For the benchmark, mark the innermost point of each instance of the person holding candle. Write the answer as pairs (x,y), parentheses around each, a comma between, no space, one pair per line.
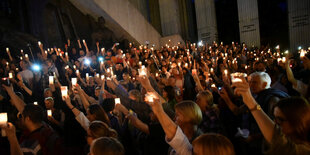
(56,120)
(293,136)
(37,138)
(302,86)
(94,112)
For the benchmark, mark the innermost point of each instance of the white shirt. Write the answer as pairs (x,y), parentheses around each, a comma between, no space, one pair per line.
(82,119)
(180,144)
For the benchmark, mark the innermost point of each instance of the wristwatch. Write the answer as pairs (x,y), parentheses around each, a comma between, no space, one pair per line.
(257,107)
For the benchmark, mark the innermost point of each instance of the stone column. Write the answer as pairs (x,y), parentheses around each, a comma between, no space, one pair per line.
(299,23)
(206,20)
(249,22)
(170,17)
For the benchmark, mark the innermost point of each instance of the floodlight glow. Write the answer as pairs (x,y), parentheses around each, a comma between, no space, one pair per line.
(87,61)
(100,59)
(36,67)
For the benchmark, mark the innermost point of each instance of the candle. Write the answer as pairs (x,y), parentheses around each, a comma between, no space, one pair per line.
(74,67)
(7,49)
(302,54)
(225,72)
(73,81)
(102,77)
(140,63)
(142,72)
(45,52)
(97,75)
(87,76)
(102,49)
(35,103)
(10,75)
(77,72)
(21,58)
(39,43)
(156,74)
(194,71)
(151,99)
(26,55)
(211,70)
(49,113)
(51,79)
(3,118)
(66,53)
(283,59)
(84,41)
(117,101)
(22,51)
(64,91)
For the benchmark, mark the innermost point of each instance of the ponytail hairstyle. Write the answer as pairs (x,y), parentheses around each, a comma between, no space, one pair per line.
(100,129)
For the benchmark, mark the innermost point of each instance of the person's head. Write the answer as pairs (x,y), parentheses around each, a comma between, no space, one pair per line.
(48,92)
(135,95)
(24,64)
(259,81)
(49,102)
(106,146)
(73,51)
(49,62)
(212,144)
(125,76)
(32,116)
(82,53)
(260,67)
(204,100)
(169,93)
(96,112)
(293,116)
(99,129)
(97,91)
(171,81)
(187,112)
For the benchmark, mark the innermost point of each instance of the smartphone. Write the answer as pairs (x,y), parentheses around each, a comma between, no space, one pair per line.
(219,88)
(5,81)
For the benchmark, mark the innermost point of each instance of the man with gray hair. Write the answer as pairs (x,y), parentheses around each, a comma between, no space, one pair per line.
(264,95)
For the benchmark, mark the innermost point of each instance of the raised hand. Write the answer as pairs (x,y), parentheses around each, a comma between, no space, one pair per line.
(243,89)
(9,129)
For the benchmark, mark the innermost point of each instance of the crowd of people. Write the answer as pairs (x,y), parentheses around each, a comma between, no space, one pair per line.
(179,99)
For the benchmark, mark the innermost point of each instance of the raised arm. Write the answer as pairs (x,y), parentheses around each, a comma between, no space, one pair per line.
(289,73)
(168,125)
(11,134)
(133,119)
(15,100)
(265,124)
(83,97)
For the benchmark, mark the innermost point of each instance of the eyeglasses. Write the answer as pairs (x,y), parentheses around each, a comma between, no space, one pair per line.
(279,120)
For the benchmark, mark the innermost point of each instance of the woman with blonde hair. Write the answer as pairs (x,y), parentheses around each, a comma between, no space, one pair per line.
(99,129)
(213,144)
(188,116)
